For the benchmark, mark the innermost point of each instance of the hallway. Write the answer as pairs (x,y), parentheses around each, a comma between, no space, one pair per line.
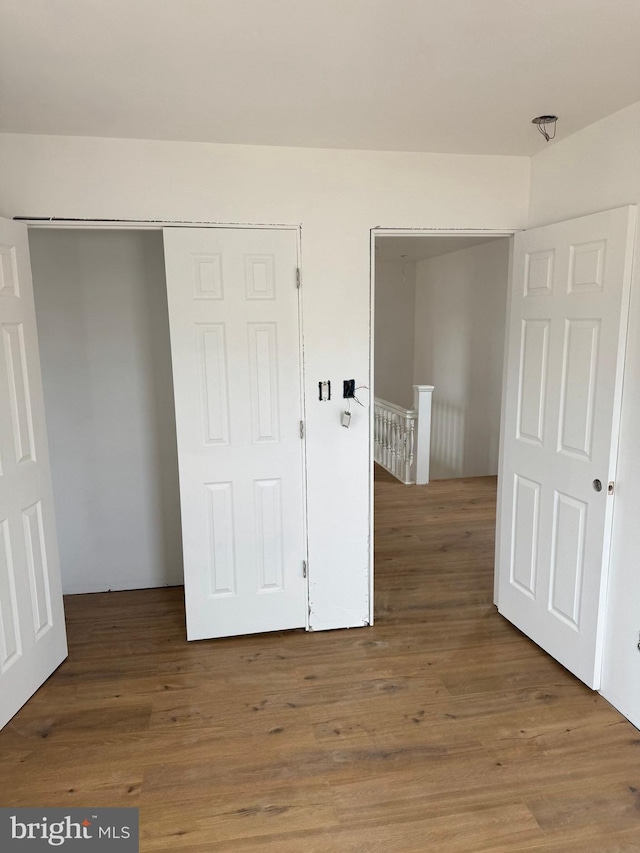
(434,546)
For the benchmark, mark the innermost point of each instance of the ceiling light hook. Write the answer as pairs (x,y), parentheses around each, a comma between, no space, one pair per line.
(542,122)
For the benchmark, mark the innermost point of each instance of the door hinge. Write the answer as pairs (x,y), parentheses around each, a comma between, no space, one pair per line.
(304,568)
(298,278)
(301,429)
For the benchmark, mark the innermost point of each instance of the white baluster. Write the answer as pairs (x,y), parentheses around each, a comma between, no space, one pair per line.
(396,436)
(385,439)
(410,445)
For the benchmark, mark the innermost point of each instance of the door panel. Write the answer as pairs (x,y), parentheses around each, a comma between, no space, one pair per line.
(32,630)
(235,341)
(567,326)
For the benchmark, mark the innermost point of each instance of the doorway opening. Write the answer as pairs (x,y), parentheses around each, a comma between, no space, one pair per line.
(439,303)
(118,308)
(103,327)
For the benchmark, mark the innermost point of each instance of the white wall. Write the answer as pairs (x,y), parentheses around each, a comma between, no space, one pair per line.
(460,319)
(106,366)
(395,296)
(337,197)
(597,169)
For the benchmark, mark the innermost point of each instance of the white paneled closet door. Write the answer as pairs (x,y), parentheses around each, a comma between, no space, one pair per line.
(32,630)
(566,342)
(237,368)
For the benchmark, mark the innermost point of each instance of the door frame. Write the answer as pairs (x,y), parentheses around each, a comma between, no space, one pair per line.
(380,231)
(72,224)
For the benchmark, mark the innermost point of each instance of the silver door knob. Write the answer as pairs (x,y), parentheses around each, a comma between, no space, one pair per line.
(597,485)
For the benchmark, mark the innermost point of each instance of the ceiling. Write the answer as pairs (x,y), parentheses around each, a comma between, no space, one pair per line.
(459,76)
(419,247)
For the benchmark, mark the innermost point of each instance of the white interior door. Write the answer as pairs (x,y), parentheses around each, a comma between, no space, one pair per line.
(32,631)
(235,345)
(568,313)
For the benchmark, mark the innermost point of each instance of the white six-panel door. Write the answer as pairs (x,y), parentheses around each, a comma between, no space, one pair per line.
(566,339)
(235,344)
(32,631)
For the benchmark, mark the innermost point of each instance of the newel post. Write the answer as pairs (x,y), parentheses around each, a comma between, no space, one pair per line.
(422,405)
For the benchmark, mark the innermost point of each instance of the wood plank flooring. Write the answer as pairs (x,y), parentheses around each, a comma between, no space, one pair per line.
(441,728)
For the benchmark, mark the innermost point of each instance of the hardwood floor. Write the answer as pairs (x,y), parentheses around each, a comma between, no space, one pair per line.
(441,728)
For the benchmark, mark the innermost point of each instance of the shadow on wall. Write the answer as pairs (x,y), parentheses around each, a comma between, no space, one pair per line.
(448,433)
(461,446)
